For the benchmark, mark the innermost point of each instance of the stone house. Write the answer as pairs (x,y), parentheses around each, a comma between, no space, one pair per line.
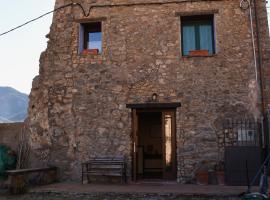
(148,79)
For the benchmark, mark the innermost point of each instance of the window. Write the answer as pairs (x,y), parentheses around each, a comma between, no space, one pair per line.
(246,135)
(197,34)
(91,37)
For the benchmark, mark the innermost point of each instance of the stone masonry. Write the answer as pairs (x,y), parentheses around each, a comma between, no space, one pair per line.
(10,134)
(78,102)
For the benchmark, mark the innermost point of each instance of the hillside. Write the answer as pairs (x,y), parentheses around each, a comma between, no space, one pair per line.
(13,105)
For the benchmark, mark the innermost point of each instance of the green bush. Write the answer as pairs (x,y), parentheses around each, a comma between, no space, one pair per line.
(7,161)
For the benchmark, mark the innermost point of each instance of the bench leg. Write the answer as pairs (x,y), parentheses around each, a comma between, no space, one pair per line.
(49,177)
(82,178)
(88,178)
(17,184)
(82,175)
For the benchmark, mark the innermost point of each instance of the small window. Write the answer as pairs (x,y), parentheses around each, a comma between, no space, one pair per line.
(197,35)
(91,37)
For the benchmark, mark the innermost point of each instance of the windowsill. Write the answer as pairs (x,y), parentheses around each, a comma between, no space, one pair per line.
(188,56)
(89,54)
(92,52)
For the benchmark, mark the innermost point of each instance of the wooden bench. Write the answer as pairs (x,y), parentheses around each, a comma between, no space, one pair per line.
(104,166)
(18,178)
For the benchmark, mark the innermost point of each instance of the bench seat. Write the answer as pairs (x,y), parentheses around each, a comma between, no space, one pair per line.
(30,170)
(104,166)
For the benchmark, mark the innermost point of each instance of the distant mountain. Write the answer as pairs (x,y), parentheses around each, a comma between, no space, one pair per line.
(13,105)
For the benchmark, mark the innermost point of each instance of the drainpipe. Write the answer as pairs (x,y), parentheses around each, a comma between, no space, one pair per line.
(247,4)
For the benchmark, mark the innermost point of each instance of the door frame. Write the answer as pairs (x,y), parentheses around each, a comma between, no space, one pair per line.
(173,174)
(135,126)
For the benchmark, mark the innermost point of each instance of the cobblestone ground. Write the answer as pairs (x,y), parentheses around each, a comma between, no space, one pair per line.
(112,196)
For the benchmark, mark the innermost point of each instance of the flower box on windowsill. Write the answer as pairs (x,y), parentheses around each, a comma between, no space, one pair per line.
(90,52)
(198,53)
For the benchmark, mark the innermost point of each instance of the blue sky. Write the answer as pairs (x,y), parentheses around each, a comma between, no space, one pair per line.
(20,50)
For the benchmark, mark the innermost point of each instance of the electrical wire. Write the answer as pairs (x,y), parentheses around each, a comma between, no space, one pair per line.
(28,22)
(127,5)
(90,8)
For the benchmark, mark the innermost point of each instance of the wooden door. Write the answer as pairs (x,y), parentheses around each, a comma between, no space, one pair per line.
(135,142)
(169,145)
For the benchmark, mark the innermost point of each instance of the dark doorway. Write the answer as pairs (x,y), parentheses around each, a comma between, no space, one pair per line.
(154,144)
(149,165)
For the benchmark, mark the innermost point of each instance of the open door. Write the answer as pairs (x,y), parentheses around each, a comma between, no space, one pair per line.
(169,145)
(154,144)
(135,142)
(154,140)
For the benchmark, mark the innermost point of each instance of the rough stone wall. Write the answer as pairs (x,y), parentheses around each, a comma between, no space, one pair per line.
(78,102)
(9,134)
(264,45)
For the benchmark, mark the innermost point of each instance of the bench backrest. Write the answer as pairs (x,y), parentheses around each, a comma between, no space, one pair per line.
(107,159)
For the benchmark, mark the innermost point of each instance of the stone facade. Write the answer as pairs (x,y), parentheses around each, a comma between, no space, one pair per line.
(78,102)
(10,134)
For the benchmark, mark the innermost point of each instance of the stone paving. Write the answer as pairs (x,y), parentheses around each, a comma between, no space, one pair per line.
(144,188)
(62,196)
(149,191)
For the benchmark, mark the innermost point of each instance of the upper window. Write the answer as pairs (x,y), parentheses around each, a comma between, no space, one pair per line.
(91,37)
(197,35)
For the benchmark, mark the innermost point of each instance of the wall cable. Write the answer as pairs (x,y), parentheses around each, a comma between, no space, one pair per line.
(246,4)
(32,20)
(87,14)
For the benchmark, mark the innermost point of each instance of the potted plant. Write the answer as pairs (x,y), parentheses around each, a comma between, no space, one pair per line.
(198,53)
(202,176)
(219,168)
(90,51)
